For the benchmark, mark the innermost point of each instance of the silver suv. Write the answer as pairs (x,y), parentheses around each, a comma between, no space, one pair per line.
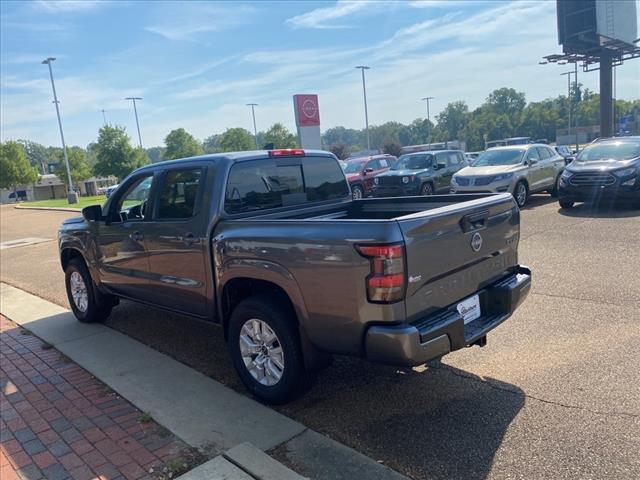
(518,169)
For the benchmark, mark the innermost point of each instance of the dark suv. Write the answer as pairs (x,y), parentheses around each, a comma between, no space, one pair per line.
(420,173)
(606,170)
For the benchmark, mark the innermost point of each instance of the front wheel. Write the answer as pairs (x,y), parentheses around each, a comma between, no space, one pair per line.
(566,203)
(265,349)
(556,187)
(426,189)
(520,194)
(87,304)
(357,192)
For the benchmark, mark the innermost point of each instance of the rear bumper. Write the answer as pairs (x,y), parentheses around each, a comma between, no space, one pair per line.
(445,331)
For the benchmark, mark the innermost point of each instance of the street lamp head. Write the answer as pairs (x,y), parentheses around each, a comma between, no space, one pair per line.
(363,67)
(48,60)
(252,104)
(427,98)
(543,62)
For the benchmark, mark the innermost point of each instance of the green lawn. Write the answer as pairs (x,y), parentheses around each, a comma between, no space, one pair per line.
(62,202)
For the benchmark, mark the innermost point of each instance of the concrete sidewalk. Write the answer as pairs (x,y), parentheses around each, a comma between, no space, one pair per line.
(198,410)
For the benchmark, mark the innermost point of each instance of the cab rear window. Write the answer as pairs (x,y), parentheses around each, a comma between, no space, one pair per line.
(272,183)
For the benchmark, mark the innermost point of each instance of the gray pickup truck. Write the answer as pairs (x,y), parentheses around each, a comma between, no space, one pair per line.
(271,246)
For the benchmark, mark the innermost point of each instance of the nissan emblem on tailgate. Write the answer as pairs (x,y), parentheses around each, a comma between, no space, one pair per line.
(476,242)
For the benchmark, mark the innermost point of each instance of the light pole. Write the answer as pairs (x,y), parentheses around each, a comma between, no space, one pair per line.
(104,117)
(253,114)
(72,196)
(428,120)
(135,110)
(366,113)
(568,74)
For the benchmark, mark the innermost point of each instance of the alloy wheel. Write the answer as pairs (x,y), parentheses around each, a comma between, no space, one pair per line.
(79,291)
(261,352)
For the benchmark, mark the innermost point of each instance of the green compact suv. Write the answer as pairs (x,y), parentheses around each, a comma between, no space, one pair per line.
(420,173)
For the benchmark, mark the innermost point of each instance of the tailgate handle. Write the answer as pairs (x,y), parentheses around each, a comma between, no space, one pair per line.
(474,221)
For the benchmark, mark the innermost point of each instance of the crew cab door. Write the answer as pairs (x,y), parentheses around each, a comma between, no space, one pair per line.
(176,241)
(122,260)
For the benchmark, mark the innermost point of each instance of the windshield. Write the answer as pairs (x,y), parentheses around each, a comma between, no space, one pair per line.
(413,162)
(511,156)
(610,151)
(353,167)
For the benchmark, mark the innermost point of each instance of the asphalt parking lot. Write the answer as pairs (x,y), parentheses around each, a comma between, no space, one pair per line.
(554,394)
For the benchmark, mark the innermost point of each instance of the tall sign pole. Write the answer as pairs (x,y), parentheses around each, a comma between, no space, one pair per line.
(255,130)
(366,113)
(135,111)
(72,196)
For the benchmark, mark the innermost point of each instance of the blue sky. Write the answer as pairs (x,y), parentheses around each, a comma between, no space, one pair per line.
(198,63)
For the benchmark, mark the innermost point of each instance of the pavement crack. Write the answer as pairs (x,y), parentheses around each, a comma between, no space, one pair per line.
(490,384)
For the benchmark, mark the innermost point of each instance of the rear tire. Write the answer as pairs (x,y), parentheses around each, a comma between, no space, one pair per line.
(87,304)
(271,369)
(357,192)
(566,203)
(520,194)
(426,189)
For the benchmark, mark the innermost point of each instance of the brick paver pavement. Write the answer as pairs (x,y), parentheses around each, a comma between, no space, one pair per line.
(58,422)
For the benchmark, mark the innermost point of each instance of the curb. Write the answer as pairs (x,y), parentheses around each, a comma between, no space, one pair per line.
(59,209)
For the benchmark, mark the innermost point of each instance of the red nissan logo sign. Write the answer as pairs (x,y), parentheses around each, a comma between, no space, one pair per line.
(308,114)
(309,108)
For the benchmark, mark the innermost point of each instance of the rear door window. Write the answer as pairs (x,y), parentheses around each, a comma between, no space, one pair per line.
(178,194)
(543,153)
(272,183)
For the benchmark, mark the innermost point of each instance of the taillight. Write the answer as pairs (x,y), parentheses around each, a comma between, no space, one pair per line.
(286,152)
(386,282)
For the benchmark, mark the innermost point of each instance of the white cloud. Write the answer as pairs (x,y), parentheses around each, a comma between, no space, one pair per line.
(66,6)
(192,19)
(26,58)
(324,17)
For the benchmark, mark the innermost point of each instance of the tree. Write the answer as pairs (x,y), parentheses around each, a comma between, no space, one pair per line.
(340,150)
(211,144)
(236,140)
(80,169)
(280,137)
(181,144)
(15,168)
(392,148)
(37,155)
(155,154)
(451,121)
(115,155)
(506,101)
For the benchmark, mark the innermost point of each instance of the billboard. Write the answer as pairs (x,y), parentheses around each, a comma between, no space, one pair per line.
(587,26)
(307,113)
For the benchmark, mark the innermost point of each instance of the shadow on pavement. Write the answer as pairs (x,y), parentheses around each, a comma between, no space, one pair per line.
(601,210)
(440,423)
(538,201)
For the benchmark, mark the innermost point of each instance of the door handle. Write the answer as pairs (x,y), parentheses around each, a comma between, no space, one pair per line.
(136,236)
(189,239)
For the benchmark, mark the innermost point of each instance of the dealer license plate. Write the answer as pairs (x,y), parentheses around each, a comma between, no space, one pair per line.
(470,308)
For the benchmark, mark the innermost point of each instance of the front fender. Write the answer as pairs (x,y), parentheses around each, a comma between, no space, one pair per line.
(82,244)
(262,270)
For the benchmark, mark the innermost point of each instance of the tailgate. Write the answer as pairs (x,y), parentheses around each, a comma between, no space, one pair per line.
(454,251)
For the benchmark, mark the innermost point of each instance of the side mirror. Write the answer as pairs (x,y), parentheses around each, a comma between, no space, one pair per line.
(92,213)
(440,165)
(368,170)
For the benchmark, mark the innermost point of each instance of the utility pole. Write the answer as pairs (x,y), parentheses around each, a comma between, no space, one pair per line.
(104,117)
(366,113)
(135,110)
(72,196)
(255,130)
(568,74)
(575,80)
(428,120)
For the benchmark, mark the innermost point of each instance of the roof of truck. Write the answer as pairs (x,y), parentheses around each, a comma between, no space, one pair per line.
(235,157)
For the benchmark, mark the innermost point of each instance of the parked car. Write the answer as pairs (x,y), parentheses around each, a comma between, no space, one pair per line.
(272,247)
(565,152)
(518,169)
(420,173)
(606,170)
(361,171)
(109,190)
